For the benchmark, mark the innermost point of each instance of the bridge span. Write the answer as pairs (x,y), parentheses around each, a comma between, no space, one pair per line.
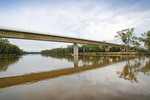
(16,34)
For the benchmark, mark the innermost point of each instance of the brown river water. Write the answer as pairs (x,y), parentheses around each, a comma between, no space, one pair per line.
(39,77)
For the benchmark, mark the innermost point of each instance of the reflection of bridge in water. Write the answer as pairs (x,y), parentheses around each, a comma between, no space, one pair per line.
(33,77)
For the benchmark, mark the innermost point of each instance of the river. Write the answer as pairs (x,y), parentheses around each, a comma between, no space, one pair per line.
(39,77)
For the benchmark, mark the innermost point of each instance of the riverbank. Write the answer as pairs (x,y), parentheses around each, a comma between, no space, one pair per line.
(7,55)
(111,53)
(101,54)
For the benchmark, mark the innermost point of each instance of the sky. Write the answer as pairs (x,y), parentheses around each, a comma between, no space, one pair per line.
(88,19)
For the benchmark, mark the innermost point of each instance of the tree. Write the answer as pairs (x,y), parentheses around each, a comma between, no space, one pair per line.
(2,45)
(3,42)
(127,37)
(115,49)
(8,48)
(146,39)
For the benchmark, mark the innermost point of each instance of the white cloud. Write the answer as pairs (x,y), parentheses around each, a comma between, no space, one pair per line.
(94,21)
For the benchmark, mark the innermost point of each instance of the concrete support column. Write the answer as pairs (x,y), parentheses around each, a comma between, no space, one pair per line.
(75,51)
(107,48)
(123,49)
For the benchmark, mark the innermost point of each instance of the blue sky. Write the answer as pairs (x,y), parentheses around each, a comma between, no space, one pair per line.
(89,19)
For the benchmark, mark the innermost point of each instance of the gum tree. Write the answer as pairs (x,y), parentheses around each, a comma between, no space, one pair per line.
(146,39)
(127,37)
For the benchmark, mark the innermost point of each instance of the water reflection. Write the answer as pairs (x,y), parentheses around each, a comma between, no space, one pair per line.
(88,60)
(69,58)
(132,68)
(76,61)
(6,62)
(135,67)
(88,63)
(89,78)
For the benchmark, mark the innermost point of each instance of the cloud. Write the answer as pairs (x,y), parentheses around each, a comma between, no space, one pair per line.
(94,20)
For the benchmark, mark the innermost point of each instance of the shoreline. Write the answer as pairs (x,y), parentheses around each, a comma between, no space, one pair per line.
(8,55)
(112,53)
(102,54)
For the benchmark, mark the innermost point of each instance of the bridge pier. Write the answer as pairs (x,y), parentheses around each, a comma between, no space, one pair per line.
(123,49)
(107,48)
(75,51)
(75,54)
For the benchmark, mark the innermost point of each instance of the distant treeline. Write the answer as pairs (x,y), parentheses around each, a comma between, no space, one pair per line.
(7,48)
(126,36)
(25,52)
(82,48)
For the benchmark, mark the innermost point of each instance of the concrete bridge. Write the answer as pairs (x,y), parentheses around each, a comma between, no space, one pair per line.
(7,33)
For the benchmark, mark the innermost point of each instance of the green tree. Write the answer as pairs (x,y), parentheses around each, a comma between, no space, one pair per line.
(3,42)
(8,48)
(2,45)
(146,39)
(115,49)
(127,37)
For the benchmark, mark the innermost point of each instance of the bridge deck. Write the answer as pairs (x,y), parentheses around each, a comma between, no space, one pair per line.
(6,33)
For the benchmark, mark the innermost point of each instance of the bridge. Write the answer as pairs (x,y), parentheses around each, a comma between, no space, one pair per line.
(16,34)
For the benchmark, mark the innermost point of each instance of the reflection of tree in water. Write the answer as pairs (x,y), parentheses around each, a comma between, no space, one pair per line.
(6,62)
(94,60)
(134,67)
(87,60)
(146,70)
(67,57)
